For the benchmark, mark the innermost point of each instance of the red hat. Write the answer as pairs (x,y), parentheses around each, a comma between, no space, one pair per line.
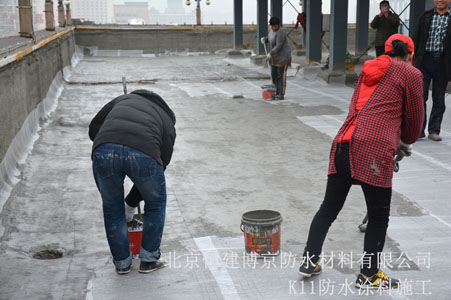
(402,38)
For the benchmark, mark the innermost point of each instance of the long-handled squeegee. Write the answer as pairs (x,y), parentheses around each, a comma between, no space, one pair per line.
(269,90)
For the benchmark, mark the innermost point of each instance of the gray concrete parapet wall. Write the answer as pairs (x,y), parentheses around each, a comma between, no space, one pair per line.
(160,39)
(163,39)
(28,79)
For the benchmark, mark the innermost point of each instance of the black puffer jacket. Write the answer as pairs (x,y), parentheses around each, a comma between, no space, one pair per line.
(141,120)
(421,36)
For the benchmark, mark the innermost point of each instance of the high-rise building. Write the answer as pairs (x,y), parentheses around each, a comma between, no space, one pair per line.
(98,11)
(9,17)
(124,13)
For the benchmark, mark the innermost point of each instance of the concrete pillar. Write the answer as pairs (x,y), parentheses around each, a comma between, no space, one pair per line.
(49,16)
(61,17)
(262,24)
(417,8)
(68,15)
(198,14)
(276,10)
(304,10)
(237,24)
(338,34)
(362,21)
(25,18)
(313,39)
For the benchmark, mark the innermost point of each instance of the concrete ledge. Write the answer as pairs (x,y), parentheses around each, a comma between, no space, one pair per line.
(311,71)
(335,76)
(238,53)
(299,52)
(259,60)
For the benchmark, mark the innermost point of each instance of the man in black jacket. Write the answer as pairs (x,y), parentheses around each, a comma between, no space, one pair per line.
(432,56)
(133,135)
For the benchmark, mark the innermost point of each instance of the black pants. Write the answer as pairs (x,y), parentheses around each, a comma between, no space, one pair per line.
(434,68)
(279,78)
(378,205)
(380,50)
(134,197)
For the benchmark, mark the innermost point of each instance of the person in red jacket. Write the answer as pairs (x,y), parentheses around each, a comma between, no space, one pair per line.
(385,116)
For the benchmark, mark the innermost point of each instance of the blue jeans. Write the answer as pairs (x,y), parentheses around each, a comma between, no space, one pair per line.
(110,163)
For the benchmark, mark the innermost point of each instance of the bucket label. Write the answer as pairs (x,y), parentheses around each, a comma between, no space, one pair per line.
(262,240)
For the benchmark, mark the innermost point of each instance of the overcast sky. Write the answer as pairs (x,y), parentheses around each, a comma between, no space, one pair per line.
(222,10)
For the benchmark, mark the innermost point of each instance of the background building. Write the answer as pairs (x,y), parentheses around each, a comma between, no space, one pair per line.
(123,13)
(9,17)
(98,11)
(174,13)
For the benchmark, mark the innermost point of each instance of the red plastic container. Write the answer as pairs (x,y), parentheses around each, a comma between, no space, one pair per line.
(262,232)
(134,239)
(269,94)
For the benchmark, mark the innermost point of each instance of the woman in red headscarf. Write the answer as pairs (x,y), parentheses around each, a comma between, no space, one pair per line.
(385,116)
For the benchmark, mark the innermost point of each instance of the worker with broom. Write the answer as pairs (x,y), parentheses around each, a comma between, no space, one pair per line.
(279,56)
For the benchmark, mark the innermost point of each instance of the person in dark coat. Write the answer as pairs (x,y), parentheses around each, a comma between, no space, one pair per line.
(432,56)
(386,24)
(133,135)
(385,117)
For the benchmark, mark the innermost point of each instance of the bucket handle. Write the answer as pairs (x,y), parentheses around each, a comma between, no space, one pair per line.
(242,227)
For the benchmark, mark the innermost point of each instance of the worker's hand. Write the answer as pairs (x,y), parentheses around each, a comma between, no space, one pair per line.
(268,56)
(263,40)
(404,149)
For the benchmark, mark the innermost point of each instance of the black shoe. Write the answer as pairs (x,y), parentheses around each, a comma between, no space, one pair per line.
(308,268)
(147,267)
(377,281)
(279,97)
(124,271)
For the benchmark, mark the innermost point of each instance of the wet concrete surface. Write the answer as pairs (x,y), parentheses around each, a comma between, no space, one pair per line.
(231,156)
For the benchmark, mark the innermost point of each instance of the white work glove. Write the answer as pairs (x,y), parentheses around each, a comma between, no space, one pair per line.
(404,149)
(268,56)
(129,212)
(263,40)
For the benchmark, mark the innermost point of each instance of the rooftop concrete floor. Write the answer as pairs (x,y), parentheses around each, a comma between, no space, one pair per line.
(232,155)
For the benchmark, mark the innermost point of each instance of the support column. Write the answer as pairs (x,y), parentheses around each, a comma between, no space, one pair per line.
(362,21)
(49,16)
(26,18)
(338,34)
(276,10)
(237,24)
(68,15)
(61,17)
(304,34)
(262,24)
(313,39)
(416,10)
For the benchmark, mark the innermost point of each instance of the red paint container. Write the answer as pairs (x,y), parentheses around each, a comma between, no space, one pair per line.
(262,232)
(135,234)
(269,92)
